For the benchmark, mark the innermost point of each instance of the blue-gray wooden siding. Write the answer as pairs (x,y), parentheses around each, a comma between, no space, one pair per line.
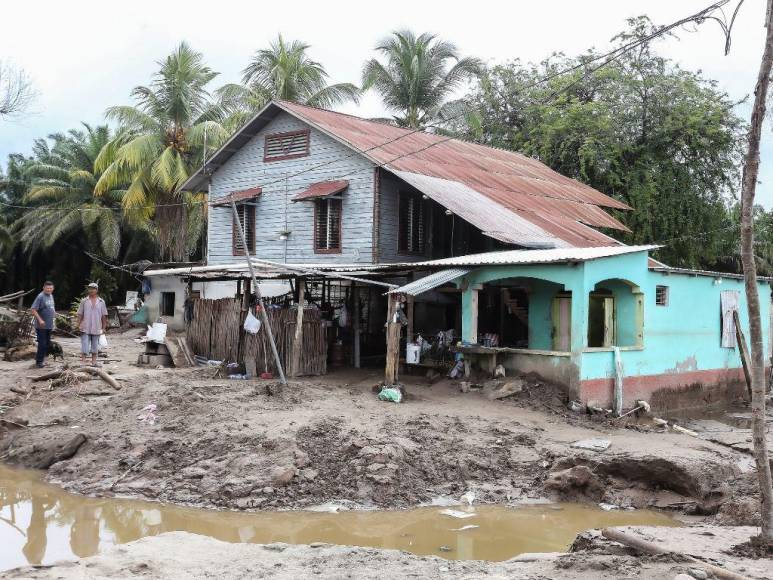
(246,169)
(389,192)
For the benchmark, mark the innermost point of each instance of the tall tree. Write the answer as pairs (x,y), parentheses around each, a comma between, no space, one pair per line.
(62,189)
(748,189)
(662,139)
(419,76)
(283,71)
(160,141)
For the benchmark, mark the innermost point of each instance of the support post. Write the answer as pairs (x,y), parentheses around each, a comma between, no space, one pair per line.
(255,285)
(295,366)
(393,343)
(356,323)
(743,350)
(409,315)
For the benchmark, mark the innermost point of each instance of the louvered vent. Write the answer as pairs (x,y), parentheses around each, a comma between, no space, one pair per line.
(286,145)
(327,226)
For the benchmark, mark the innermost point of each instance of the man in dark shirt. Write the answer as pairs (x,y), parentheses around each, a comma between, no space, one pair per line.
(44,311)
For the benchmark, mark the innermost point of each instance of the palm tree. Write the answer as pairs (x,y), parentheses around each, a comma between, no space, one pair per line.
(62,182)
(282,71)
(420,73)
(160,141)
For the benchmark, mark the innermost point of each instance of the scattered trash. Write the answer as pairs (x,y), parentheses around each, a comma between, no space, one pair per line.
(148,414)
(608,507)
(574,406)
(156,333)
(499,371)
(251,324)
(457,514)
(464,386)
(445,549)
(463,528)
(238,377)
(593,444)
(390,394)
(266,375)
(102,343)
(457,370)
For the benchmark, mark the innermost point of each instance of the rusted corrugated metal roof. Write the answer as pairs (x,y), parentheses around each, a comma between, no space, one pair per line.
(322,189)
(237,196)
(556,204)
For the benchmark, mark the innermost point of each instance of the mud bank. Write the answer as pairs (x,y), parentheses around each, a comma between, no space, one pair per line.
(185,556)
(241,445)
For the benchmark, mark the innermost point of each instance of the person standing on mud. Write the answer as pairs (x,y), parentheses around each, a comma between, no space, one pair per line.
(44,312)
(92,321)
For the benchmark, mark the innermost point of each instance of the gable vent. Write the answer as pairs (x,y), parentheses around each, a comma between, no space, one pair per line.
(286,145)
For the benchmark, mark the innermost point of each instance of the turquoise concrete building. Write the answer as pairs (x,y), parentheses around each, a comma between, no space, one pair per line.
(575,316)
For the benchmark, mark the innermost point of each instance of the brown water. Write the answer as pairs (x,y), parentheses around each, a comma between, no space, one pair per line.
(40,524)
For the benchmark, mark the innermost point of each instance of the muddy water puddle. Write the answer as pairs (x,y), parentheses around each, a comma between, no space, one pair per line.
(40,524)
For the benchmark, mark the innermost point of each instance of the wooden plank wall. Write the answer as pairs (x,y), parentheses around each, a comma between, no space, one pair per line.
(217,329)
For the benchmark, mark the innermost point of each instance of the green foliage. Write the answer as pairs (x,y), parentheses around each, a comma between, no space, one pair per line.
(160,141)
(283,71)
(663,140)
(420,74)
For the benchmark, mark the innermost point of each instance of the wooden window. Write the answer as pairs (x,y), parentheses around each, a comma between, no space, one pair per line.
(167,304)
(327,226)
(410,235)
(661,295)
(289,145)
(246,214)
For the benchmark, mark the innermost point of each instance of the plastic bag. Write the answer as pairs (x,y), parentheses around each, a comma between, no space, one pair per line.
(251,324)
(103,342)
(390,394)
(157,332)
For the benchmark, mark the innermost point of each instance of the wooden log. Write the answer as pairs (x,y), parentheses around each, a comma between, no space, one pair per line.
(101,374)
(393,343)
(740,340)
(19,390)
(295,366)
(652,548)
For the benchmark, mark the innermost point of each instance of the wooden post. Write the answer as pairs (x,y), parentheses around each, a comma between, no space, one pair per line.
(295,366)
(740,340)
(393,343)
(474,314)
(356,324)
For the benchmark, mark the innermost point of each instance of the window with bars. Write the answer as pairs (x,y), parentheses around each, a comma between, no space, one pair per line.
(286,145)
(410,237)
(661,295)
(246,215)
(327,226)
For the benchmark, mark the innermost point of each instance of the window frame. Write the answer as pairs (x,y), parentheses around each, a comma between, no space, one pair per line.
(248,223)
(271,159)
(327,200)
(402,196)
(164,302)
(666,293)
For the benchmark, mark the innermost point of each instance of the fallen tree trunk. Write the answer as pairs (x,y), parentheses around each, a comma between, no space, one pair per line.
(652,548)
(91,370)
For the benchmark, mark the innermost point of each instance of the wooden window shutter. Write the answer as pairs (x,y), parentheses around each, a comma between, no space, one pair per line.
(288,145)
(327,225)
(246,215)
(410,227)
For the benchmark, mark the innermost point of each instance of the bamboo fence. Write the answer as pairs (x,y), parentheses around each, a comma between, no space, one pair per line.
(217,332)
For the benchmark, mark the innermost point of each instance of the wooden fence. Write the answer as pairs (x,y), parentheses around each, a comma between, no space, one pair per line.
(217,332)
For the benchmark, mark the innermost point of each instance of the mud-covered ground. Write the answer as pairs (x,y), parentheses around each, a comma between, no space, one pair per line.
(182,556)
(243,445)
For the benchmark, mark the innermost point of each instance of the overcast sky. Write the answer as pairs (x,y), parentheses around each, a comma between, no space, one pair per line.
(85,56)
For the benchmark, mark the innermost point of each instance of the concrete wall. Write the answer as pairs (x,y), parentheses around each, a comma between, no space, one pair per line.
(161,284)
(327,160)
(680,347)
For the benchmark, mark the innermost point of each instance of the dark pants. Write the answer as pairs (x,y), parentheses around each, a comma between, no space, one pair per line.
(44,340)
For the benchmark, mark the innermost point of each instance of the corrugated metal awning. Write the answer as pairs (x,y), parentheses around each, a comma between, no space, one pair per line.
(322,189)
(430,282)
(551,256)
(238,196)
